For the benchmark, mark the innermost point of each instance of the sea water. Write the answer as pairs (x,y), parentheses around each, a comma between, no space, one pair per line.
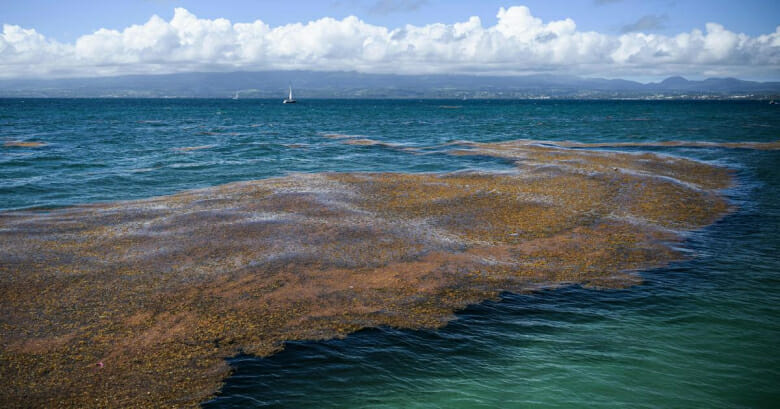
(699,333)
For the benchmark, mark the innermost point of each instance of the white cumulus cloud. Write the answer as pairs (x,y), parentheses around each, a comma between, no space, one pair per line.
(518,43)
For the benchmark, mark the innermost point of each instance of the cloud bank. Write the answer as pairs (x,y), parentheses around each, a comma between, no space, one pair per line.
(519,43)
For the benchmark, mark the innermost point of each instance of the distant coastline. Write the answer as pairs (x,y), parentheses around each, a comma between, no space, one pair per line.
(351,85)
(659,98)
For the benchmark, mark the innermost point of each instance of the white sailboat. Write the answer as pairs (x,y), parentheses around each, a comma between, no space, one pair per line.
(289,99)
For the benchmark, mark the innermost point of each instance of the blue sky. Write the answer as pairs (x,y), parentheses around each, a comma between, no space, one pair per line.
(644,40)
(66,20)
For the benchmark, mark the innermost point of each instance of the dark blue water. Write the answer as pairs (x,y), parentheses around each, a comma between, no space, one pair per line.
(701,333)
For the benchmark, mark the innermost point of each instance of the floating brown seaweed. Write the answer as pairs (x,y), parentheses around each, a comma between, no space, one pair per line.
(24,144)
(138,303)
(773,145)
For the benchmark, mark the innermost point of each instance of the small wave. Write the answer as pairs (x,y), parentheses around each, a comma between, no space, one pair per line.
(341,136)
(192,148)
(143,170)
(190,165)
(215,133)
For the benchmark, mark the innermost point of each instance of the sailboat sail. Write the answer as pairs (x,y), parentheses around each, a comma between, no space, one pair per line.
(289,99)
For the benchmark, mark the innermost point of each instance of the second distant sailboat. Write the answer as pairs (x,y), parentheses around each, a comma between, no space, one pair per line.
(289,99)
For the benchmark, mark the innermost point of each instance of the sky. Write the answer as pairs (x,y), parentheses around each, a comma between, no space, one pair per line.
(643,40)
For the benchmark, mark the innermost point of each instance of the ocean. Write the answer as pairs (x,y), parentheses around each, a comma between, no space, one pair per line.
(701,332)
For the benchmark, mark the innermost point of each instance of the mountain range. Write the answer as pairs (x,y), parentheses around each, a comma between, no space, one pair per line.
(315,84)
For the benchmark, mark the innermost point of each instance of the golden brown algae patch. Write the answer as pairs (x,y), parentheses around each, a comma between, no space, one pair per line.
(769,146)
(24,144)
(138,303)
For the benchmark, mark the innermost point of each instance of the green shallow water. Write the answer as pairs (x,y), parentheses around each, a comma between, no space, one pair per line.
(700,333)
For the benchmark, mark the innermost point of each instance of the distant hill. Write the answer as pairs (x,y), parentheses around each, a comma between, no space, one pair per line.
(715,86)
(313,84)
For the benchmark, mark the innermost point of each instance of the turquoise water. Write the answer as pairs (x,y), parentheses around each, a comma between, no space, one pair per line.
(701,333)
